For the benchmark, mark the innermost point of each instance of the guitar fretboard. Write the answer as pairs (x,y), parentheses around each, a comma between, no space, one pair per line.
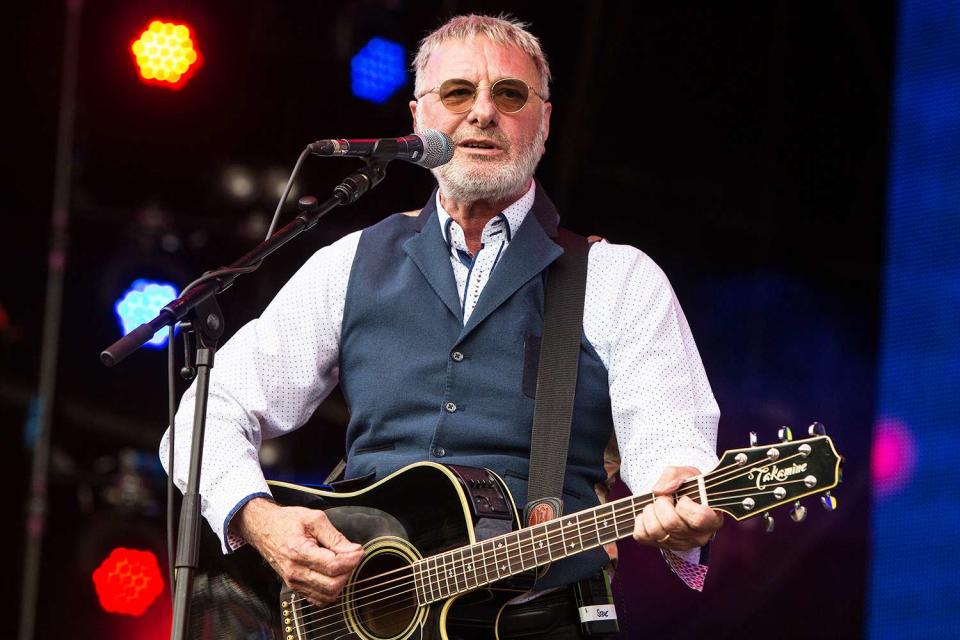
(460,570)
(747,482)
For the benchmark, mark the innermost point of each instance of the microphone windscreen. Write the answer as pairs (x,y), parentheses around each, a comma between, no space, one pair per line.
(438,148)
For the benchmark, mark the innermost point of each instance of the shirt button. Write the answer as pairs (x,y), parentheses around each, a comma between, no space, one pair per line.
(438,452)
(450,407)
(457,356)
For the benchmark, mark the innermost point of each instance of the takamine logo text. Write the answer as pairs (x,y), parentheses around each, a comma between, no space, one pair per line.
(766,475)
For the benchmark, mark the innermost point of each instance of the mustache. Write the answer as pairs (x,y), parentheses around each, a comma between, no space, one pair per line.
(499,140)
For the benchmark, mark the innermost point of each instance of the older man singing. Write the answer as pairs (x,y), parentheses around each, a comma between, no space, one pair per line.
(423,319)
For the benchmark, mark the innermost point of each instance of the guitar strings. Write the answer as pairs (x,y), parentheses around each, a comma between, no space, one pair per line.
(719,473)
(311,627)
(486,555)
(735,500)
(758,491)
(443,557)
(607,530)
(341,623)
(716,478)
(688,488)
(692,493)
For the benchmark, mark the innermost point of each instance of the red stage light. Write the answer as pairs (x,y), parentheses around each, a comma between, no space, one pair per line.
(128,581)
(166,54)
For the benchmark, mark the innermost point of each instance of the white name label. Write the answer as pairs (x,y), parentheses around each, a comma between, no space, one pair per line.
(599,612)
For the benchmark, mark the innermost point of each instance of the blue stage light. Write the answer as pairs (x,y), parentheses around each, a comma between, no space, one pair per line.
(141,303)
(378,70)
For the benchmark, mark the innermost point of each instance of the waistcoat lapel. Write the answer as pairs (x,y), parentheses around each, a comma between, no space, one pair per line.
(530,251)
(429,251)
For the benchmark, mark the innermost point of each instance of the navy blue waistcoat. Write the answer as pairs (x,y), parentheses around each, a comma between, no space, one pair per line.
(412,399)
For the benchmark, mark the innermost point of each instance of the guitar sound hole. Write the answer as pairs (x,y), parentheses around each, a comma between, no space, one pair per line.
(384,605)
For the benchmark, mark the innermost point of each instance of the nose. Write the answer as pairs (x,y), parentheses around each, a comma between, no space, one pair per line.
(484,112)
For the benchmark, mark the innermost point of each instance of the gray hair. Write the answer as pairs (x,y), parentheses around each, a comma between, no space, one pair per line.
(503,29)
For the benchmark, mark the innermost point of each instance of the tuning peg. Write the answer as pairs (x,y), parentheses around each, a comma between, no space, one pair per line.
(768,522)
(753,438)
(828,501)
(798,513)
(785,434)
(817,429)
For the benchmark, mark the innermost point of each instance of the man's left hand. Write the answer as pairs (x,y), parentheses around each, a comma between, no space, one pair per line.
(680,527)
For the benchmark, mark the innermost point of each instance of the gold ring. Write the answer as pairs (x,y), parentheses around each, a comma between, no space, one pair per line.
(663,539)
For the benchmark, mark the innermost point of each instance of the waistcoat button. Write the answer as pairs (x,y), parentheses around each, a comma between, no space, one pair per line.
(450,407)
(438,452)
(457,356)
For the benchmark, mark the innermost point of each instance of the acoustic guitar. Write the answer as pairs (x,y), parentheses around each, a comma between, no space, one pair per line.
(445,550)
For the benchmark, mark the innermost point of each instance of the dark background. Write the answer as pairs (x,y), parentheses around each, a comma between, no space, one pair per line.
(743,148)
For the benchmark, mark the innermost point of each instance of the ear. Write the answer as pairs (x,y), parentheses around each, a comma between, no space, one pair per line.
(547,110)
(413,113)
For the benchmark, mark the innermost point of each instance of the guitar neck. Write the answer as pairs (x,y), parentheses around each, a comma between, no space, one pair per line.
(460,570)
(745,484)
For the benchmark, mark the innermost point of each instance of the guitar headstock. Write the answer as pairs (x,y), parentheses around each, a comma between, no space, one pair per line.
(750,481)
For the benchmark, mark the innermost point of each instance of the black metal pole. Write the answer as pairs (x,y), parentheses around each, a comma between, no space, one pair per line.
(188,547)
(198,304)
(56,263)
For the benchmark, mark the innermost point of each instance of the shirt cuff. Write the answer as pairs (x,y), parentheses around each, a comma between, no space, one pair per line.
(687,565)
(231,540)
(225,496)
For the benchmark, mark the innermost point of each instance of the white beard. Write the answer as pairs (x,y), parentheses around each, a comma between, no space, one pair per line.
(491,179)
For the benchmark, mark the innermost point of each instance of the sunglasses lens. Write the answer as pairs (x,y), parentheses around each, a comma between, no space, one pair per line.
(509,95)
(457,95)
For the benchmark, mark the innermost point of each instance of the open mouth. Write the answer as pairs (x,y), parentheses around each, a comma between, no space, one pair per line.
(478,144)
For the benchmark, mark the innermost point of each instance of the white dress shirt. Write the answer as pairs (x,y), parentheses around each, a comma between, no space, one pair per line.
(271,375)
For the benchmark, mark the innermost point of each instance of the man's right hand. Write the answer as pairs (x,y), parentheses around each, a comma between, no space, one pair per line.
(301,545)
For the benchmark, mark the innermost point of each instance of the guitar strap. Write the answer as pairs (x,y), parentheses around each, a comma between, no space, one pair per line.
(556,378)
(556,390)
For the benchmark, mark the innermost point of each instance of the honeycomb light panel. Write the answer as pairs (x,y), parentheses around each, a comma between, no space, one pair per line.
(128,581)
(141,303)
(166,54)
(378,70)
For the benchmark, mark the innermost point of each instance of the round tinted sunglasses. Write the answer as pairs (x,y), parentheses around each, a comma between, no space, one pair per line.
(509,94)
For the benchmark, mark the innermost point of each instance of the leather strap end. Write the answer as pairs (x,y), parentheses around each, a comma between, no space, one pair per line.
(540,511)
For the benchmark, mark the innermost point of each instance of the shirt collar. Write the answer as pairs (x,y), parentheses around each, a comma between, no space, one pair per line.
(505,223)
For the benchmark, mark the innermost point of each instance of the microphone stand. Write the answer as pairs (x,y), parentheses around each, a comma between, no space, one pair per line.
(199,314)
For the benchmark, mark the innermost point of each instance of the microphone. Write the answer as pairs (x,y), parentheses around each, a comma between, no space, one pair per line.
(429,148)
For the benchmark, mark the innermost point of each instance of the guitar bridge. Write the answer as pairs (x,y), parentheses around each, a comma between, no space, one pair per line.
(289,611)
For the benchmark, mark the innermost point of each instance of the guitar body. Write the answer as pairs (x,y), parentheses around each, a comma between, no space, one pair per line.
(419,511)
